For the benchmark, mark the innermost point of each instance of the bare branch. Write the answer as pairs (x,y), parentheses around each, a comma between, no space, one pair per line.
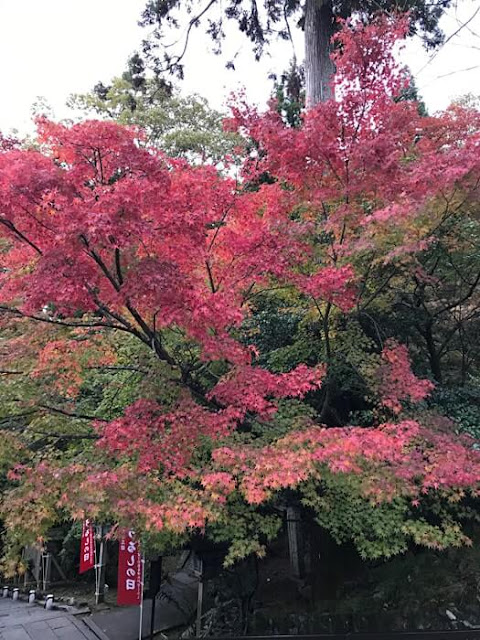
(9,225)
(63,323)
(70,414)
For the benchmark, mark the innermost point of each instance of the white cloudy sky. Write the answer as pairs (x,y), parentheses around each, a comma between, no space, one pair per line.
(53,48)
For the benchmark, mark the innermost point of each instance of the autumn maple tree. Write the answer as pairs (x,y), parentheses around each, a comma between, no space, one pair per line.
(117,258)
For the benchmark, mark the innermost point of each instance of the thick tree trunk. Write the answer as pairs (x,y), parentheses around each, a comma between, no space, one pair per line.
(295,541)
(433,355)
(319,27)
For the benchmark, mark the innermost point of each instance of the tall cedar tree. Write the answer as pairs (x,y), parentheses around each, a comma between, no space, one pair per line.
(260,23)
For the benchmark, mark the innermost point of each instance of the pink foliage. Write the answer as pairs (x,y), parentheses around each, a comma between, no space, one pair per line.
(252,388)
(397,382)
(97,227)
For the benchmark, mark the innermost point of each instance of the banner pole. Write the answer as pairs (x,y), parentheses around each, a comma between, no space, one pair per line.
(102,563)
(96,565)
(141,600)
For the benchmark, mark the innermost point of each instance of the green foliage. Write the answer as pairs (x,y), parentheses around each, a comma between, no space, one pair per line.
(460,404)
(246,528)
(283,336)
(135,374)
(380,529)
(339,507)
(181,126)
(289,92)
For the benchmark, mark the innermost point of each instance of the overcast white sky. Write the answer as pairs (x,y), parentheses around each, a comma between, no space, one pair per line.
(53,48)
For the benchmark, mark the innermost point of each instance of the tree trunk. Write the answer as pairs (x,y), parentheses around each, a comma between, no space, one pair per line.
(295,541)
(319,28)
(433,355)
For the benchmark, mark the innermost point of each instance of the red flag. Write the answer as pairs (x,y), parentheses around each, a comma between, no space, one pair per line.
(130,578)
(87,547)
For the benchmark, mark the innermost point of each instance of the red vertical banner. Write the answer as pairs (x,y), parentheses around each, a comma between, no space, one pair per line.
(87,547)
(130,574)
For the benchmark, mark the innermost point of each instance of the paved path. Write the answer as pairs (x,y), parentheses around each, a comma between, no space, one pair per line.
(175,606)
(21,621)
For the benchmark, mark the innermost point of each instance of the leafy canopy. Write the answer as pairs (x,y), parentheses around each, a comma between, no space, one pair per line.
(260,22)
(108,242)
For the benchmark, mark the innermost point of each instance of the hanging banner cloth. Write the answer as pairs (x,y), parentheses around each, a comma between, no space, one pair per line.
(87,547)
(130,574)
